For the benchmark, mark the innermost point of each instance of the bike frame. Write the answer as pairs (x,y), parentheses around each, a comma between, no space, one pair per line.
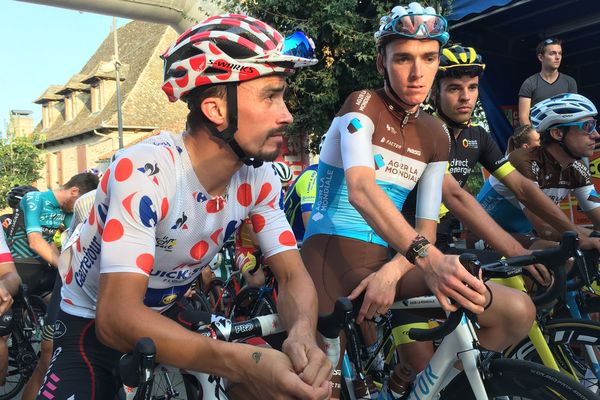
(209,385)
(461,344)
(539,341)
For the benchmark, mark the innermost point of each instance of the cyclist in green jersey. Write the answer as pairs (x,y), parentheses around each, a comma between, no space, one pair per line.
(30,239)
(299,201)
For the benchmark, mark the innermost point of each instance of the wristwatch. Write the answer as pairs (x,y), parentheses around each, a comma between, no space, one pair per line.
(418,248)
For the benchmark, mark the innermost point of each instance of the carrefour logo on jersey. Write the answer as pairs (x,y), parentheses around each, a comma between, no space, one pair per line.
(90,255)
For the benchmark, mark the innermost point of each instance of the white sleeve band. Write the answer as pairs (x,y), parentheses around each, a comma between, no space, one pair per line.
(587,197)
(429,192)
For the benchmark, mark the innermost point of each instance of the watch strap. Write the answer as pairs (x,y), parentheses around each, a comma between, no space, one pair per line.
(418,243)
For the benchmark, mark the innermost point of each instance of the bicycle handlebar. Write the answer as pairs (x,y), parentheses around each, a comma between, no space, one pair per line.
(553,258)
(136,368)
(330,325)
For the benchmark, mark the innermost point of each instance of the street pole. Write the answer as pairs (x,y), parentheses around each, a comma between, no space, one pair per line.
(118,83)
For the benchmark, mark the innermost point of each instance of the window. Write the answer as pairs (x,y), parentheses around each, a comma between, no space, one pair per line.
(45,116)
(69,107)
(96,96)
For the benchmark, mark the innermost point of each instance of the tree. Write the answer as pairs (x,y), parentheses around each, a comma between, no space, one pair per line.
(20,164)
(343,34)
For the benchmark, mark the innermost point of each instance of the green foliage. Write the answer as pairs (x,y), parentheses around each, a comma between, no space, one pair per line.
(343,34)
(20,164)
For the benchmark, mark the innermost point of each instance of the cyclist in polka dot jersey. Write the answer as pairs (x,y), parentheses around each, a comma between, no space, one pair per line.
(165,207)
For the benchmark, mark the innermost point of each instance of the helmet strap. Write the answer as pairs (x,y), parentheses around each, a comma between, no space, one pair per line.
(397,98)
(549,139)
(565,148)
(228,134)
(450,122)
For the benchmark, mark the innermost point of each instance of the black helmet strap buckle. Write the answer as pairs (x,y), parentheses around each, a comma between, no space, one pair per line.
(228,134)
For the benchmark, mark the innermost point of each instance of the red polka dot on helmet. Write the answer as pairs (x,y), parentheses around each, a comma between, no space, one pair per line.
(225,48)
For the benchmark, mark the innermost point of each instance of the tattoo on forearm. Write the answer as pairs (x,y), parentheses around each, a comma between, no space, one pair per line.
(256,356)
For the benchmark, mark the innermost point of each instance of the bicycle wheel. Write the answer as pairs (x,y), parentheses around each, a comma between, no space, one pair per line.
(250,303)
(567,339)
(16,376)
(507,378)
(169,384)
(23,352)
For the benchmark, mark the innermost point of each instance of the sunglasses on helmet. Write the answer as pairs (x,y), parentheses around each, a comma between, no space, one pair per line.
(298,45)
(588,126)
(420,26)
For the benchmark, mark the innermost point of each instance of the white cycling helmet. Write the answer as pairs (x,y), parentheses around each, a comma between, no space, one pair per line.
(561,109)
(413,22)
(283,171)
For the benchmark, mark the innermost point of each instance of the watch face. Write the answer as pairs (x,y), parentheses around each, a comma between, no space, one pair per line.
(423,251)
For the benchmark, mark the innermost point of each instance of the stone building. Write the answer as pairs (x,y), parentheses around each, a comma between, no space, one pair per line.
(20,123)
(79,126)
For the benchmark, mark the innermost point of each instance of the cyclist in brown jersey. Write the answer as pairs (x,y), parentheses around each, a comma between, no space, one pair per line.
(359,194)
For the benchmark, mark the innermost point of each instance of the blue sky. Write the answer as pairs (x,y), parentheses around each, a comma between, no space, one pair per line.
(43,46)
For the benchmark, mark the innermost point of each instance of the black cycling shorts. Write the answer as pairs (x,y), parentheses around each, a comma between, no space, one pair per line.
(83,367)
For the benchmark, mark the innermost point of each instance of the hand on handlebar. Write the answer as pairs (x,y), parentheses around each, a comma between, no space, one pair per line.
(540,273)
(447,278)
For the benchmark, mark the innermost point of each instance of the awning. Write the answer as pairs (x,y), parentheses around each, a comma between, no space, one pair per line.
(464,8)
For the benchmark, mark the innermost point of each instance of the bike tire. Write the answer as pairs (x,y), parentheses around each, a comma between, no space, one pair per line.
(193,391)
(15,380)
(23,353)
(165,384)
(519,379)
(566,338)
